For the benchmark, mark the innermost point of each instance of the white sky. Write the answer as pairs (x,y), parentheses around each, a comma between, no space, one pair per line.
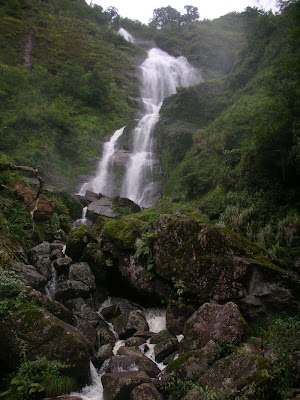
(142,10)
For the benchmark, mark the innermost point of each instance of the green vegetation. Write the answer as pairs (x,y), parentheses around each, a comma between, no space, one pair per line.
(242,167)
(55,112)
(37,379)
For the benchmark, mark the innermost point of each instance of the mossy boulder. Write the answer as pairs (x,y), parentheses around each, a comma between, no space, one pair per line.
(77,241)
(43,335)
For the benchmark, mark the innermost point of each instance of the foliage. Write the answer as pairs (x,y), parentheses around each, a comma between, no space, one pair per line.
(12,294)
(176,388)
(37,379)
(180,290)
(144,251)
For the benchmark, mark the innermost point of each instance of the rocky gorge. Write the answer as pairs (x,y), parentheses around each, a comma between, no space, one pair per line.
(86,299)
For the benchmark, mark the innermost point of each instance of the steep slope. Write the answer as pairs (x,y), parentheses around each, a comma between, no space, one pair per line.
(66,81)
(232,145)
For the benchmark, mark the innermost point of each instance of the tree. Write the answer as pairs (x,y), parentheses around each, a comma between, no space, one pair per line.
(192,14)
(165,16)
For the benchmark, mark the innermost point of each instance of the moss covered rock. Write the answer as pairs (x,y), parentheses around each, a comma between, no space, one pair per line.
(43,335)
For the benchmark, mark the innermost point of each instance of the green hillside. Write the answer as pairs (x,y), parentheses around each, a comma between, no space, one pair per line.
(78,87)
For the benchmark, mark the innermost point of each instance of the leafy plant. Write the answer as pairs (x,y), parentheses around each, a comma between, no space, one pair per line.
(180,287)
(36,379)
(176,388)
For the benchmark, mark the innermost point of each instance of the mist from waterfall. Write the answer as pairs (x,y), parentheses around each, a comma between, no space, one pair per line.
(161,75)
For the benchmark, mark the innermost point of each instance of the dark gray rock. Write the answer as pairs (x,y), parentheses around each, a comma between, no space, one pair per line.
(118,385)
(70,289)
(103,207)
(81,272)
(127,324)
(134,362)
(29,275)
(177,315)
(62,264)
(40,251)
(165,348)
(44,267)
(134,341)
(102,354)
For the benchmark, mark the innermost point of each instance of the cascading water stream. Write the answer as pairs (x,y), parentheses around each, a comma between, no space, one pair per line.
(103,181)
(126,35)
(161,75)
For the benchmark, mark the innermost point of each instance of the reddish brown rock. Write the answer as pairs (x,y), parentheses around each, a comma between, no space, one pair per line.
(146,391)
(44,209)
(221,323)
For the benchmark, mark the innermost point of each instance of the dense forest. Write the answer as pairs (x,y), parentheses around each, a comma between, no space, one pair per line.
(219,250)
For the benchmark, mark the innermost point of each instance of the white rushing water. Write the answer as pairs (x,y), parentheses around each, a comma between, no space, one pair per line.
(156,318)
(50,288)
(103,181)
(161,75)
(126,35)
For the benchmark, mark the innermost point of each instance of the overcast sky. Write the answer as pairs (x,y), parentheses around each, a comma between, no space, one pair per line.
(142,10)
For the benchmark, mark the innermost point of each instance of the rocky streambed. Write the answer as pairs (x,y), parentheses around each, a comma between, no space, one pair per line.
(90,302)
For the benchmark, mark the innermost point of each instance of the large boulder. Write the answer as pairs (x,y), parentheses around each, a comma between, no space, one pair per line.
(134,362)
(127,324)
(221,323)
(41,251)
(182,257)
(81,272)
(103,206)
(43,335)
(118,385)
(29,275)
(146,391)
(193,363)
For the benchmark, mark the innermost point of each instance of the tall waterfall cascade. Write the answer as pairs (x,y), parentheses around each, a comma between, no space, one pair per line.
(161,74)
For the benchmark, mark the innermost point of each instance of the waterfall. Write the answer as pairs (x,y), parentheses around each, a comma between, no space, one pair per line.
(126,35)
(104,180)
(161,75)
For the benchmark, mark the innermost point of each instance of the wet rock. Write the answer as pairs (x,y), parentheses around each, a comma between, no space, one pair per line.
(39,252)
(193,363)
(102,354)
(134,362)
(103,207)
(134,341)
(43,266)
(127,324)
(81,272)
(118,385)
(62,264)
(170,358)
(44,335)
(55,254)
(67,289)
(29,275)
(105,335)
(165,348)
(177,316)
(57,245)
(92,196)
(86,320)
(146,391)
(111,312)
(221,323)
(121,157)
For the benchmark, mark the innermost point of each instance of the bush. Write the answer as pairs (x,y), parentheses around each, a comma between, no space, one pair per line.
(36,379)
